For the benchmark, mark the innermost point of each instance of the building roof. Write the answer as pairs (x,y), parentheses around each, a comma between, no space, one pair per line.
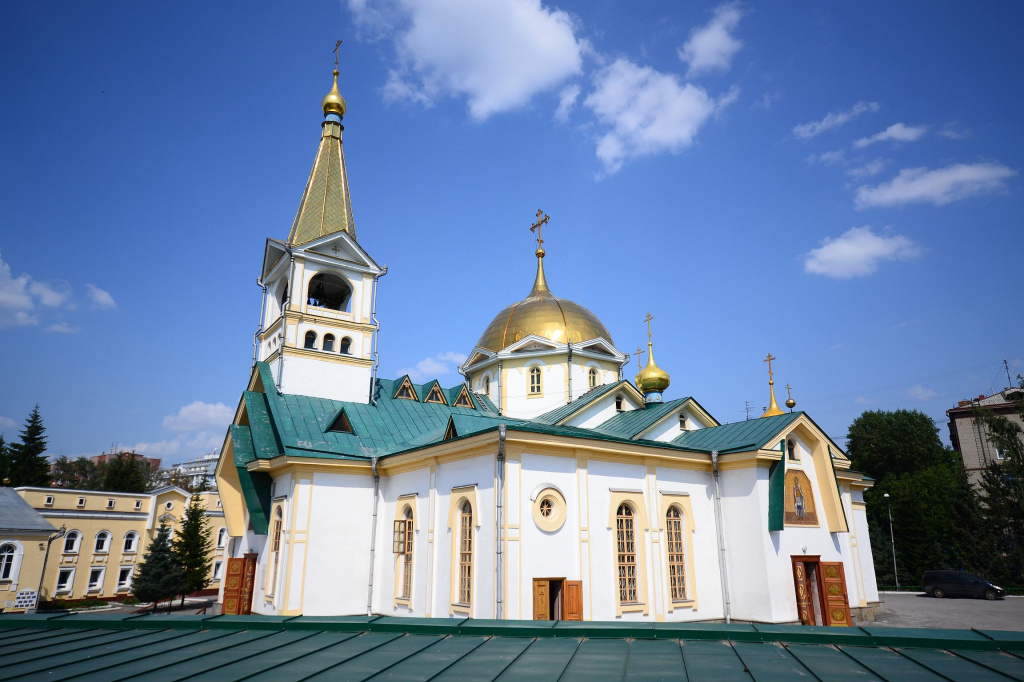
(282,647)
(17,515)
(736,437)
(563,412)
(326,205)
(632,423)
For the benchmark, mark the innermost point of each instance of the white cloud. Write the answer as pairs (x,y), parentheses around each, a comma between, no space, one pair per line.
(63,328)
(857,252)
(566,100)
(199,416)
(7,423)
(49,295)
(101,300)
(712,47)
(869,169)
(939,186)
(498,54)
(21,296)
(953,131)
(434,367)
(828,158)
(897,132)
(806,131)
(919,392)
(646,112)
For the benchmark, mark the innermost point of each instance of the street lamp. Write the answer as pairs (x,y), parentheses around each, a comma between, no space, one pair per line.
(892,539)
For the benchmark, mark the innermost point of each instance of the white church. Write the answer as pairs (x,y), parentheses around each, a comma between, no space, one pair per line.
(546,486)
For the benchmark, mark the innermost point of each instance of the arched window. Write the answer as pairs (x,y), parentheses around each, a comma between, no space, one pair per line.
(329,342)
(346,346)
(535,380)
(618,403)
(131,542)
(102,542)
(6,561)
(222,537)
(275,552)
(465,553)
(328,291)
(625,554)
(682,422)
(487,386)
(71,541)
(310,339)
(592,377)
(403,546)
(676,553)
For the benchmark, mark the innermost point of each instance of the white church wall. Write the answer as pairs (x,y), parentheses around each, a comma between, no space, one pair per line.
(407,488)
(519,403)
(745,527)
(319,379)
(666,429)
(859,520)
(602,410)
(547,554)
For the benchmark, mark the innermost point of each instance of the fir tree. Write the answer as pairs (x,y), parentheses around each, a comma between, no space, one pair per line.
(192,548)
(28,463)
(5,461)
(126,473)
(158,577)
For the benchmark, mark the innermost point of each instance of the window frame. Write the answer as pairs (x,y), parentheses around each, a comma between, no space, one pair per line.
(134,536)
(75,537)
(675,553)
(635,500)
(593,378)
(9,562)
(345,345)
(328,340)
(681,501)
(124,586)
(277,533)
(106,537)
(626,555)
(69,584)
(96,586)
(222,537)
(309,339)
(218,571)
(402,545)
(465,553)
(534,389)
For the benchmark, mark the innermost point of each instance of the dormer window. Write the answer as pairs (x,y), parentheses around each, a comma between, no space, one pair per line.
(464,400)
(682,422)
(329,343)
(406,391)
(618,403)
(435,396)
(310,340)
(328,291)
(346,346)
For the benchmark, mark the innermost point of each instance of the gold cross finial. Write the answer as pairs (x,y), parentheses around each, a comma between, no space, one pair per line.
(336,46)
(648,321)
(770,373)
(538,228)
(789,391)
(639,351)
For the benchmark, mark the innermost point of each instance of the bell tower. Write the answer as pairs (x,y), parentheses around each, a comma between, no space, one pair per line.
(317,327)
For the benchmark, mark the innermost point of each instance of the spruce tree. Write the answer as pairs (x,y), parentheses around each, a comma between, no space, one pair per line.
(28,463)
(192,548)
(126,473)
(5,461)
(158,577)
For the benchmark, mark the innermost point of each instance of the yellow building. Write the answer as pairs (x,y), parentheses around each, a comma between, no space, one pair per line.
(107,534)
(23,534)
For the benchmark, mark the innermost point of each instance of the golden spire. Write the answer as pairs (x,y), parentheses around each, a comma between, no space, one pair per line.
(773,407)
(333,102)
(790,403)
(651,380)
(540,285)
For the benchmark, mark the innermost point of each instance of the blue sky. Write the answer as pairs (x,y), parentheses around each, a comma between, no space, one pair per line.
(839,184)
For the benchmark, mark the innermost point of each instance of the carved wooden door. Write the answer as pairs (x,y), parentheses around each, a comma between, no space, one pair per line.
(248,583)
(572,600)
(541,599)
(803,593)
(837,603)
(234,580)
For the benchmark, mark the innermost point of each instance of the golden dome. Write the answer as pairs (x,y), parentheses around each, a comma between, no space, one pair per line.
(545,315)
(652,379)
(333,102)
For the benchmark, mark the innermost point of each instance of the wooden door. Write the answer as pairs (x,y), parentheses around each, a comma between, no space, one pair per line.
(234,580)
(541,599)
(803,593)
(836,607)
(572,600)
(248,583)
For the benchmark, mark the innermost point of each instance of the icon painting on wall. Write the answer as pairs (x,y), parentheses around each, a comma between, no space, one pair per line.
(799,500)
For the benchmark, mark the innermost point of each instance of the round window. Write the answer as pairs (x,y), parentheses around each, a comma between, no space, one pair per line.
(549,510)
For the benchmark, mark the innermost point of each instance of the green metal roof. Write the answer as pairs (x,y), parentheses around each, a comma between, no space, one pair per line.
(223,648)
(735,437)
(631,423)
(563,412)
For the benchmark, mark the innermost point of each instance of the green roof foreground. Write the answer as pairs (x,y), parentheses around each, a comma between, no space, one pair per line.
(223,648)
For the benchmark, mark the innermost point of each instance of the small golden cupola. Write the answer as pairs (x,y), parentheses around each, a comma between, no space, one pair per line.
(333,102)
(773,409)
(652,380)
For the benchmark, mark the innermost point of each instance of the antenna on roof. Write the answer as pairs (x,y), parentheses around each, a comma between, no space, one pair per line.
(748,406)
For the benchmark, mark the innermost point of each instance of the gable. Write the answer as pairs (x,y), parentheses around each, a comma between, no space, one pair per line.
(406,390)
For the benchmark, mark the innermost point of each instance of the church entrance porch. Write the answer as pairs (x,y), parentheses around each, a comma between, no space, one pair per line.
(821,597)
(557,599)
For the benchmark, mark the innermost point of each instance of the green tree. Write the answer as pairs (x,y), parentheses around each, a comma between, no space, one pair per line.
(159,576)
(126,473)
(79,474)
(192,548)
(5,460)
(1002,485)
(28,463)
(936,519)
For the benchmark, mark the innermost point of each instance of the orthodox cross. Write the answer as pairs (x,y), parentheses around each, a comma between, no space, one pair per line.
(538,226)
(639,352)
(336,46)
(789,391)
(648,321)
(769,361)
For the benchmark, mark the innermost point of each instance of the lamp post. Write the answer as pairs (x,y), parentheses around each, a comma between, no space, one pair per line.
(892,538)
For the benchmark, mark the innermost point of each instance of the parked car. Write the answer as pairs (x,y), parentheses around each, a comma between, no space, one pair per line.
(960,584)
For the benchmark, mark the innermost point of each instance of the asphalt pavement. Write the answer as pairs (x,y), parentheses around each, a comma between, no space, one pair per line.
(908,610)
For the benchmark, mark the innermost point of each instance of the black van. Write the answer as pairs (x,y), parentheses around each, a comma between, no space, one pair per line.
(959,584)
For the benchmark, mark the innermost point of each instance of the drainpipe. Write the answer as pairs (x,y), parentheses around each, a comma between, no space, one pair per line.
(46,557)
(284,322)
(721,540)
(373,535)
(499,388)
(625,362)
(569,399)
(263,312)
(499,517)
(376,335)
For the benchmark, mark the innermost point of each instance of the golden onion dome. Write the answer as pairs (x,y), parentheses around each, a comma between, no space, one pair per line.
(333,102)
(545,315)
(652,379)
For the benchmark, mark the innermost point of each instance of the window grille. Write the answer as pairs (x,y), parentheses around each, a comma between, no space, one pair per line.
(626,554)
